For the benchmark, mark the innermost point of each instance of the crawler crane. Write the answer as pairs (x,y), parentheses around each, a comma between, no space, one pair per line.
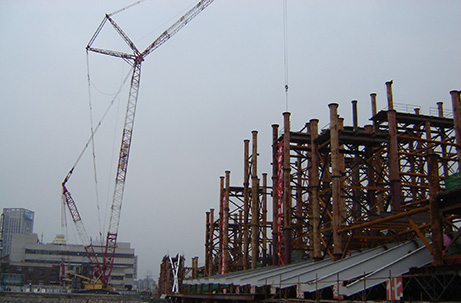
(101,270)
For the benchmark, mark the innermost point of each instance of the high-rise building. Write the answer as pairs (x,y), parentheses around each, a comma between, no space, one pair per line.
(14,221)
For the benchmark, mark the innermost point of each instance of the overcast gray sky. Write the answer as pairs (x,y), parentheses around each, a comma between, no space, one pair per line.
(201,95)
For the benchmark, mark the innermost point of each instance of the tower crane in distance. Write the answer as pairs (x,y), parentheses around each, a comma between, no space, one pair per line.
(101,270)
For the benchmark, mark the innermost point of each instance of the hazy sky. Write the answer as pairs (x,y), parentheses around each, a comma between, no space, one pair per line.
(201,95)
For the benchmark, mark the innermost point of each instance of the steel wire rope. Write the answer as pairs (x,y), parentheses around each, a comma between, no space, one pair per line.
(114,154)
(69,174)
(102,92)
(96,128)
(95,174)
(116,97)
(175,17)
(125,8)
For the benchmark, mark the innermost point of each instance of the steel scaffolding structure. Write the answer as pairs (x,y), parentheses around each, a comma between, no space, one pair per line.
(340,189)
(238,239)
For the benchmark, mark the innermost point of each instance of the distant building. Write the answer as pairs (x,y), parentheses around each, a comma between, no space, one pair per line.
(56,260)
(146,284)
(14,221)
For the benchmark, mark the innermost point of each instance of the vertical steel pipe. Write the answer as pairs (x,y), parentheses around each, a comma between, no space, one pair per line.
(443,147)
(254,202)
(194,267)
(275,244)
(374,109)
(355,167)
(264,220)
(390,96)
(455,100)
(246,203)
(210,240)
(222,197)
(440,109)
(342,169)
(314,191)
(287,228)
(226,224)
(207,243)
(394,165)
(335,179)
(355,115)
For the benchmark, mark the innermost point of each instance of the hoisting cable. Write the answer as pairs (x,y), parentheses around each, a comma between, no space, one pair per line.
(126,7)
(69,174)
(161,26)
(112,161)
(92,145)
(285,50)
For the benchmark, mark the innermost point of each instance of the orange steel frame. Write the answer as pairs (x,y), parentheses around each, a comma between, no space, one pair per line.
(344,188)
(238,238)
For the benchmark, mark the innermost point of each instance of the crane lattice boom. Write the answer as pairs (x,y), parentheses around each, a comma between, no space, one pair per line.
(103,271)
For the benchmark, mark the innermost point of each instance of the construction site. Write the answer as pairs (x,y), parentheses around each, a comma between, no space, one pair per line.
(350,213)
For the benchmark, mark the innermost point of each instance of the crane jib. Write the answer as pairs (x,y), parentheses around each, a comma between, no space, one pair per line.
(102,271)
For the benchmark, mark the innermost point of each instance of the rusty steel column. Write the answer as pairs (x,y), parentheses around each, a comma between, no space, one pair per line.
(254,202)
(374,109)
(194,267)
(222,197)
(436,216)
(314,191)
(356,197)
(287,228)
(342,168)
(264,220)
(394,165)
(246,203)
(275,134)
(440,109)
(444,147)
(226,224)
(355,115)
(455,99)
(335,179)
(240,226)
(207,243)
(210,240)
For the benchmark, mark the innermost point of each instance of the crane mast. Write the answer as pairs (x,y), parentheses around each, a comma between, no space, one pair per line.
(111,239)
(102,271)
